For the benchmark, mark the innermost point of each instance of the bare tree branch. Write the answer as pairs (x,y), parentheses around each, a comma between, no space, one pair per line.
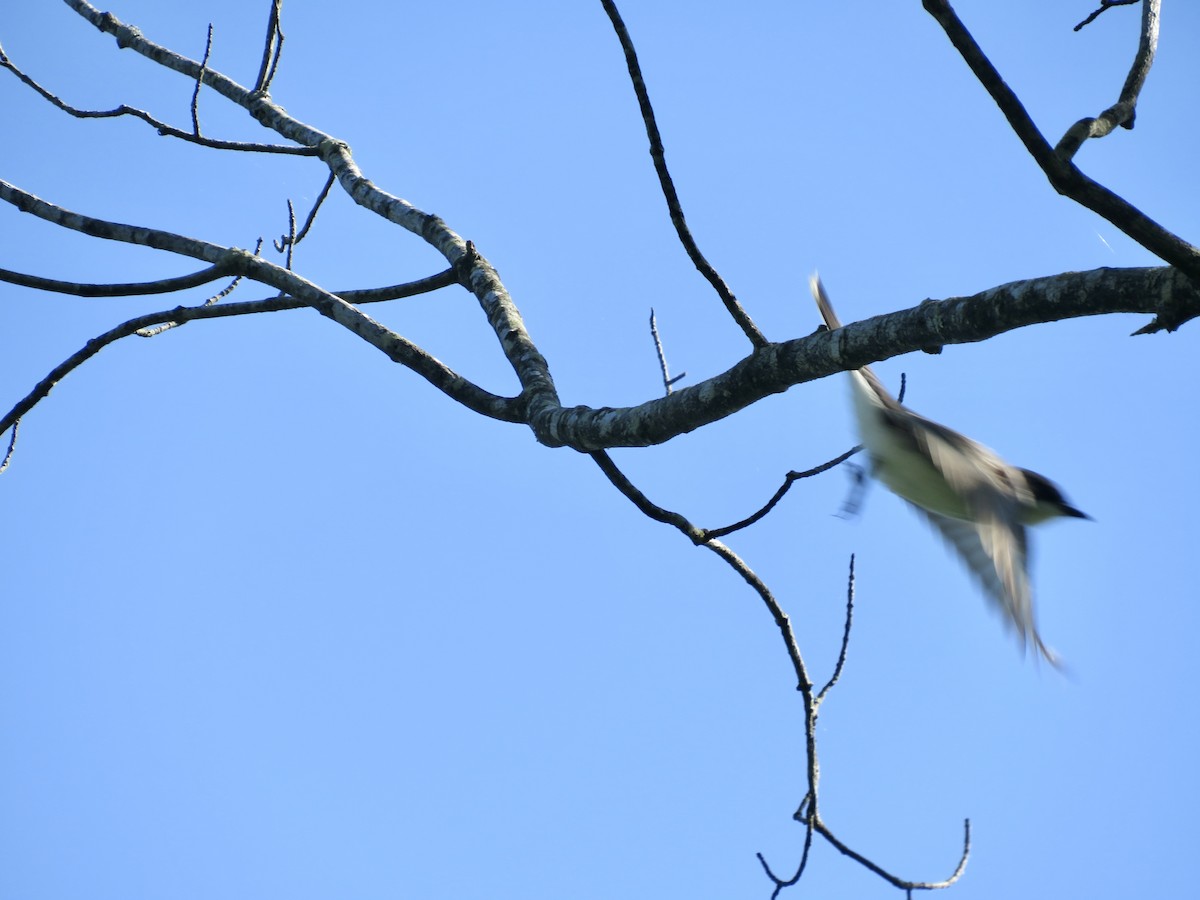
(841,660)
(812,700)
(895,880)
(312,215)
(272,49)
(1062,173)
(957,320)
(162,127)
(668,381)
(289,240)
(1122,112)
(200,83)
(12,444)
(788,480)
(505,409)
(658,154)
(136,289)
(1104,6)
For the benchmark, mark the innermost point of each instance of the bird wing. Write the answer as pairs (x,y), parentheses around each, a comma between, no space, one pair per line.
(989,538)
(994,547)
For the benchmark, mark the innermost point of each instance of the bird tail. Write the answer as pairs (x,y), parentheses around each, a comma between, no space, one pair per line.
(866,383)
(823,304)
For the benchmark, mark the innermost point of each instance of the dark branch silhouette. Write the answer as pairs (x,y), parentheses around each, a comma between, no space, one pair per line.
(658,154)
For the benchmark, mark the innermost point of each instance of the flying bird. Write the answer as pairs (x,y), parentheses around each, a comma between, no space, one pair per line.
(979,503)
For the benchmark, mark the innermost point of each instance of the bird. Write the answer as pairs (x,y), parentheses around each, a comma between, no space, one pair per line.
(979,503)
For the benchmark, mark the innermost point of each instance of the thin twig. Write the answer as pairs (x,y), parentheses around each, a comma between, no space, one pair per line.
(199,82)
(841,661)
(215,298)
(312,215)
(781,883)
(288,240)
(788,480)
(658,153)
(291,239)
(668,381)
(161,127)
(12,445)
(272,48)
(1105,5)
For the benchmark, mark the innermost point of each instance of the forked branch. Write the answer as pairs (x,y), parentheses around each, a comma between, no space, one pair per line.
(1066,178)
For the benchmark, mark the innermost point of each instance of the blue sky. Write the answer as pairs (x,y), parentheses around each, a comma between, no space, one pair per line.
(278,619)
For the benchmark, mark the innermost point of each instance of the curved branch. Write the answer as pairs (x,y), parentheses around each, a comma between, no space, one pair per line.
(1124,111)
(788,480)
(696,536)
(134,289)
(887,876)
(642,502)
(659,155)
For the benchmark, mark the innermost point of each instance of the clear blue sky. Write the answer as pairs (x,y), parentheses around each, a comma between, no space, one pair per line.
(279,620)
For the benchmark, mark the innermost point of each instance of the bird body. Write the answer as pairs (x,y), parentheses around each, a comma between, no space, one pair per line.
(979,503)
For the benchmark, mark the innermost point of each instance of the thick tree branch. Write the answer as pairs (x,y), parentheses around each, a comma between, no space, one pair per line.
(932,324)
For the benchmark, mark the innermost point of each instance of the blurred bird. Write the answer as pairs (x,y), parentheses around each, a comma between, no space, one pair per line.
(978,502)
